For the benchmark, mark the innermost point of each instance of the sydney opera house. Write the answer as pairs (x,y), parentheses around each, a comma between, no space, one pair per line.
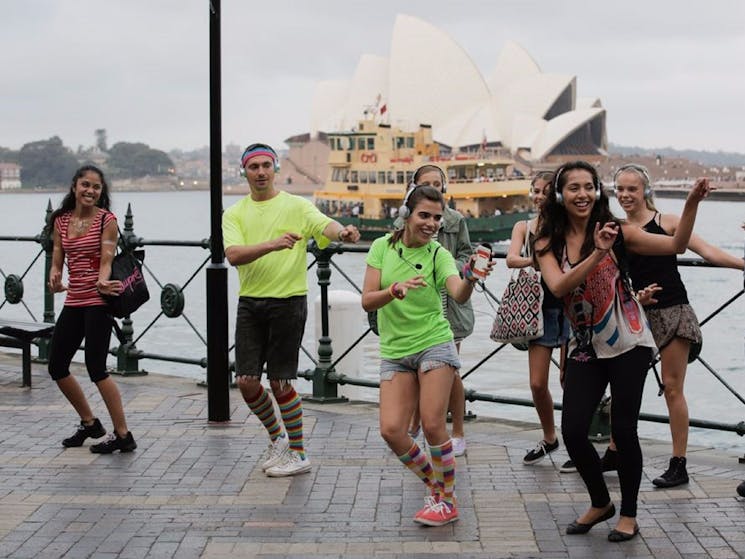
(428,78)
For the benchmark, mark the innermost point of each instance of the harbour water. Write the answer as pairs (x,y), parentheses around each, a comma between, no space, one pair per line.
(185,216)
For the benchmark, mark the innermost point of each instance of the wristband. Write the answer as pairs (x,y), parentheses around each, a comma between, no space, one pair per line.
(468,273)
(392,291)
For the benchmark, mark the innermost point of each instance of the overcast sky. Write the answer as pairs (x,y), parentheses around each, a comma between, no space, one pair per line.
(670,73)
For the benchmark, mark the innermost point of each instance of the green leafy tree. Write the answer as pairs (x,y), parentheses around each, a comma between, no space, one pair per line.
(137,160)
(8,155)
(46,164)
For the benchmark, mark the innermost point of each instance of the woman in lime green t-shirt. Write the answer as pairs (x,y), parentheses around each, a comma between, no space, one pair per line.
(405,272)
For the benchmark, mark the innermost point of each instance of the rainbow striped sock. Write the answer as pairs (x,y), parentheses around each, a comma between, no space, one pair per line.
(416,460)
(263,409)
(291,408)
(443,464)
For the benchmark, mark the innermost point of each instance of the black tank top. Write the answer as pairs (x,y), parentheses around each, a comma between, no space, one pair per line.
(662,270)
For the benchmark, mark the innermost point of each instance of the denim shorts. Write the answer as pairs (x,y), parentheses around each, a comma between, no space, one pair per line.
(555,329)
(431,358)
(269,331)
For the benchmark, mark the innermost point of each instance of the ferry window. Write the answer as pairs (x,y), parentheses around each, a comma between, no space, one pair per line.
(332,143)
(346,175)
(354,176)
(399,142)
(371,143)
(381,177)
(409,177)
(350,143)
(390,180)
(409,142)
(400,177)
(360,144)
(372,177)
(335,175)
(363,177)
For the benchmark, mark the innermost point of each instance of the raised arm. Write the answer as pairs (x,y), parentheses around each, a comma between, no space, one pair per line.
(514,259)
(335,231)
(715,255)
(641,242)
(560,282)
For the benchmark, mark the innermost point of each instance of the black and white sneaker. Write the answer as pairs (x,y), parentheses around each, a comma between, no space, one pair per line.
(568,467)
(541,450)
(94,431)
(115,442)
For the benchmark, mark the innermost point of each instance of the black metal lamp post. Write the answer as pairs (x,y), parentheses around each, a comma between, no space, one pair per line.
(218,373)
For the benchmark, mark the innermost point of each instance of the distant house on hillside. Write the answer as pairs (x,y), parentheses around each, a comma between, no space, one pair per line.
(10,176)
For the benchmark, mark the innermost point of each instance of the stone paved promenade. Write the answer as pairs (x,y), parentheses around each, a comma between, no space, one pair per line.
(193,489)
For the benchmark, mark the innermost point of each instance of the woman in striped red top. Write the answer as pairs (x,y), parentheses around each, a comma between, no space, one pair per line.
(85,232)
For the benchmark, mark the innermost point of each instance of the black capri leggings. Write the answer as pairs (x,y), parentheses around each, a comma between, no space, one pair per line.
(584,386)
(74,324)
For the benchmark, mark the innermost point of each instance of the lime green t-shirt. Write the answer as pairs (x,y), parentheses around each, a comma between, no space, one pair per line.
(412,324)
(282,273)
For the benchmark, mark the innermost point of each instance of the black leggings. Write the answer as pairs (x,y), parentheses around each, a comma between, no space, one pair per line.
(74,324)
(584,386)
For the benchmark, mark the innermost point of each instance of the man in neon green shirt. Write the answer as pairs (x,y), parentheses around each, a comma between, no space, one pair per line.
(265,236)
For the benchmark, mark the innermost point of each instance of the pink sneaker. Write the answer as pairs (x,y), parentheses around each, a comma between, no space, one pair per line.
(429,501)
(437,514)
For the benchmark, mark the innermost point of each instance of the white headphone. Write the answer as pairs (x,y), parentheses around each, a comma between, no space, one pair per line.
(642,172)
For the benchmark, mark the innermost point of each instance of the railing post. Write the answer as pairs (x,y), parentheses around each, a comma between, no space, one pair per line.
(324,391)
(127,355)
(46,242)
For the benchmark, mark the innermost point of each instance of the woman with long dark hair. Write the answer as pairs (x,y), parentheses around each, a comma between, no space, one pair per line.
(84,234)
(406,271)
(581,250)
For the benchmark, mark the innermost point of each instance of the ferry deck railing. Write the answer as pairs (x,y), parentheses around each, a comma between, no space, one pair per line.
(324,377)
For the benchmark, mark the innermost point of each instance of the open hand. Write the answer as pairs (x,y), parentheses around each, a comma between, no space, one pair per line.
(700,190)
(413,283)
(605,237)
(109,287)
(645,296)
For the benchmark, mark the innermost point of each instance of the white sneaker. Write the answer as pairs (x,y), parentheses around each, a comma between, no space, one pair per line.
(459,446)
(291,465)
(277,450)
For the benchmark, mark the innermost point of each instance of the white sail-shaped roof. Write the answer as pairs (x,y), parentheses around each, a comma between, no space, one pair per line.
(562,126)
(431,76)
(429,79)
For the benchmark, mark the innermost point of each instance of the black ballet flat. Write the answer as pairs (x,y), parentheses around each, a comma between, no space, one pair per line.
(618,536)
(580,528)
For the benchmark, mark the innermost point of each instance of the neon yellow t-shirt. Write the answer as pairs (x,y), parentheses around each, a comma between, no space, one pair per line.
(412,324)
(279,274)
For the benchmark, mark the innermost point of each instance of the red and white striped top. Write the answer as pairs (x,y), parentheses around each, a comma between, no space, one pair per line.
(83,256)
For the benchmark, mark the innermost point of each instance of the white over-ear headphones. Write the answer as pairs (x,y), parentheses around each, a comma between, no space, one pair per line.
(404,211)
(642,172)
(595,180)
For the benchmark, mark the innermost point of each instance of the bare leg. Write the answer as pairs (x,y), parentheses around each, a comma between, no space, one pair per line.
(113,400)
(674,363)
(398,399)
(457,406)
(434,393)
(70,387)
(539,360)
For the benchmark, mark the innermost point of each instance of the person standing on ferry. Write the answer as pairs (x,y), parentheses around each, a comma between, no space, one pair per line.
(555,325)
(673,323)
(406,271)
(452,235)
(580,247)
(84,233)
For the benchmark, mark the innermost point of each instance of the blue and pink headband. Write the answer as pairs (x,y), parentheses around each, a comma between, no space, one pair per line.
(258,150)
